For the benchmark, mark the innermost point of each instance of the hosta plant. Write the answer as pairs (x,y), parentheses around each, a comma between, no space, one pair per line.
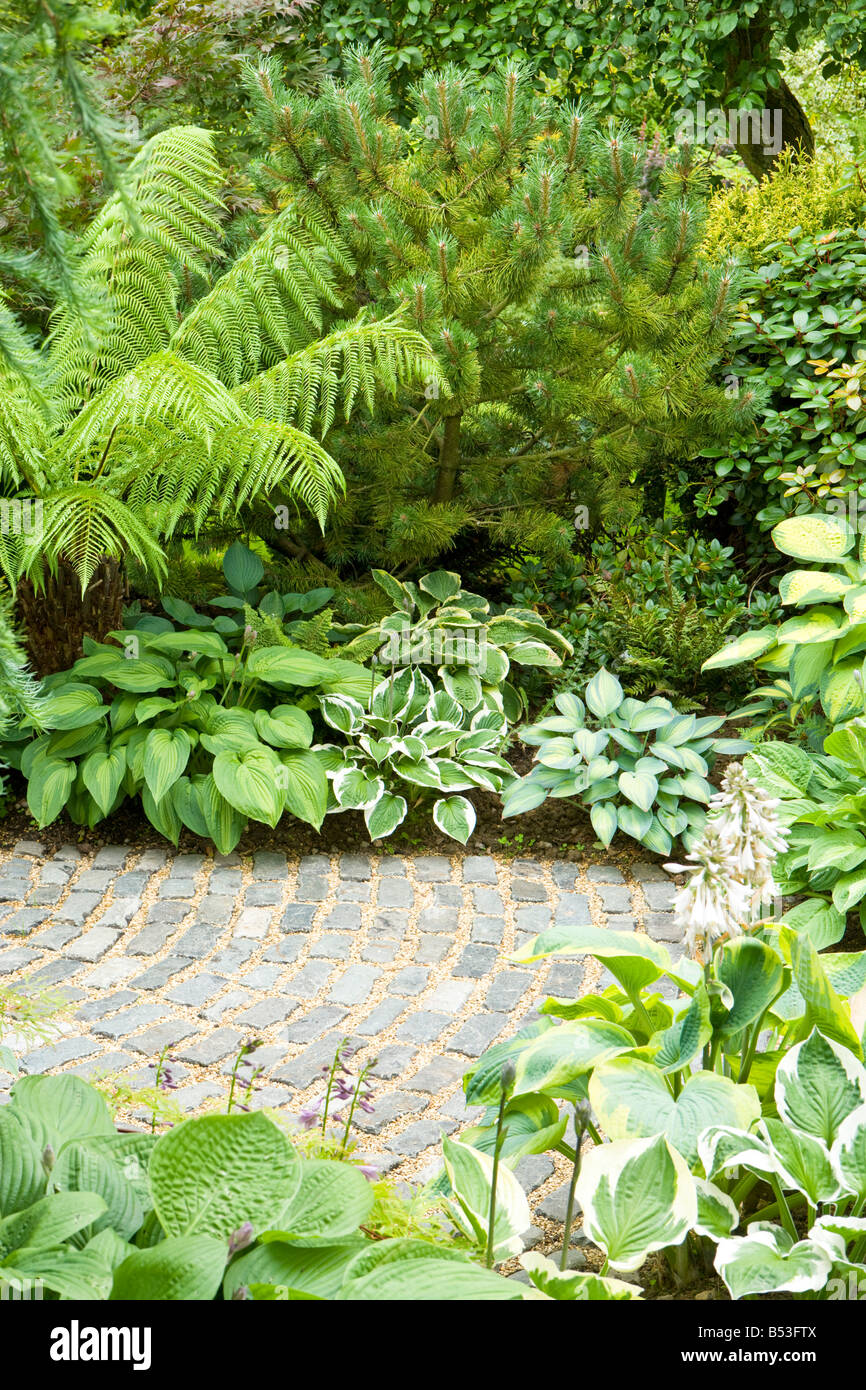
(414,743)
(638,765)
(817,655)
(206,737)
(218,1207)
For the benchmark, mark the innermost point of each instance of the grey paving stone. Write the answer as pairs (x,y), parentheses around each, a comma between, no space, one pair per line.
(266,1012)
(94,881)
(420,1135)
(302,1030)
(77,908)
(533,919)
(564,873)
(24,921)
(319,864)
(388,1108)
(524,890)
(391,925)
(69,1049)
(311,889)
(129,1021)
(476,1034)
(555,1205)
(253,923)
(198,941)
(565,979)
(476,961)
(197,990)
(432,949)
(263,977)
(449,996)
(233,957)
(506,989)
(354,985)
(532,1170)
(268,1098)
(449,895)
(174,887)
(422,1027)
(131,884)
(167,914)
(14,890)
(269,865)
(233,1000)
(191,1097)
(265,1057)
(224,883)
(604,873)
(489,930)
(111,973)
(286,951)
(396,892)
(663,926)
(16,958)
(34,847)
(53,973)
(382,954)
(119,913)
(532,868)
(311,1064)
(54,938)
(152,1042)
(393,1060)
(92,944)
(356,866)
(432,868)
(152,859)
(150,939)
(659,896)
(215,911)
(615,897)
(332,946)
(438,919)
(204,1052)
(479,868)
(298,917)
(618,921)
(45,895)
(573,907)
(264,895)
(343,915)
(158,975)
(55,873)
(68,852)
(439,1073)
(310,980)
(104,1064)
(412,979)
(105,1004)
(187,865)
(355,891)
(532,1237)
(391,866)
(110,857)
(488,900)
(648,873)
(381,1018)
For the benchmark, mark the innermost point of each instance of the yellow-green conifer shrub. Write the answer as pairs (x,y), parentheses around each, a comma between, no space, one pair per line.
(814,195)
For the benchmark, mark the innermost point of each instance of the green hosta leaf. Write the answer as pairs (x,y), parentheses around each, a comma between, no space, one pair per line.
(355,789)
(767,1261)
(212,1173)
(842,690)
(80,1168)
(186,1268)
(72,706)
(824,1009)
(166,754)
(200,643)
(816,625)
(603,693)
(50,783)
(102,773)
(242,568)
(455,816)
(818,920)
(22,1177)
(224,824)
(635,959)
(462,684)
(745,648)
(570,1286)
(818,1084)
(393,695)
(315,1270)
(50,1221)
(717,1214)
(814,538)
(681,1043)
(250,781)
(417,1271)
(849,745)
(637,1196)
(285,727)
(532,1124)
(230,731)
(329,1203)
(754,975)
(289,666)
(547,1057)
(73,1274)
(632,1098)
(470,1173)
(342,713)
(305,785)
(383,817)
(838,849)
(803,1162)
(848,1153)
(534,654)
(56,1109)
(781,769)
(812,586)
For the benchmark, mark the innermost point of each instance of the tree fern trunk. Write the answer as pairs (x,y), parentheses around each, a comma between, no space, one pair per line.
(58,617)
(449,459)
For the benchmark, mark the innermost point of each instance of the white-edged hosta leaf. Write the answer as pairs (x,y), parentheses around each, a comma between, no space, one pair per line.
(455,817)
(637,1196)
(385,815)
(767,1261)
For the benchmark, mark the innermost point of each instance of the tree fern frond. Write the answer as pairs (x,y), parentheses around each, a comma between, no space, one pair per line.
(25,433)
(308,385)
(267,305)
(81,525)
(20,694)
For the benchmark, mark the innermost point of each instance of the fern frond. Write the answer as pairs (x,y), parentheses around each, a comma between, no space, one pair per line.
(81,525)
(20,694)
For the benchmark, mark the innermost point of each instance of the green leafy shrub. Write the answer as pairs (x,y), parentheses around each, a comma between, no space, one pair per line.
(639,766)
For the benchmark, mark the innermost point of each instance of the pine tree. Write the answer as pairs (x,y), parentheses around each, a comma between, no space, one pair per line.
(575,327)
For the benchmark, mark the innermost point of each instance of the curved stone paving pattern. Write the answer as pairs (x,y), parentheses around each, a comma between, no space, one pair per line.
(405,956)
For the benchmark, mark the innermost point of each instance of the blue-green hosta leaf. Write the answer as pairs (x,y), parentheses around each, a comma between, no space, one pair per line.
(754,975)
(603,693)
(633,821)
(214,1172)
(573,1287)
(639,787)
(470,1174)
(286,726)
(637,1196)
(522,795)
(818,1084)
(455,817)
(187,1268)
(604,820)
(767,1261)
(632,1098)
(385,815)
(547,1057)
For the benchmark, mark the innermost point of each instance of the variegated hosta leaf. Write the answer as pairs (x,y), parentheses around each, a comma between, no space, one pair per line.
(717,1214)
(547,1057)
(385,815)
(470,1174)
(818,1084)
(342,713)
(635,959)
(637,1196)
(355,789)
(455,816)
(768,1261)
(573,1287)
(849,1152)
(803,1162)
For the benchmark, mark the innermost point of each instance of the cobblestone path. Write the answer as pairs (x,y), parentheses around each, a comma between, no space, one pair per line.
(407,957)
